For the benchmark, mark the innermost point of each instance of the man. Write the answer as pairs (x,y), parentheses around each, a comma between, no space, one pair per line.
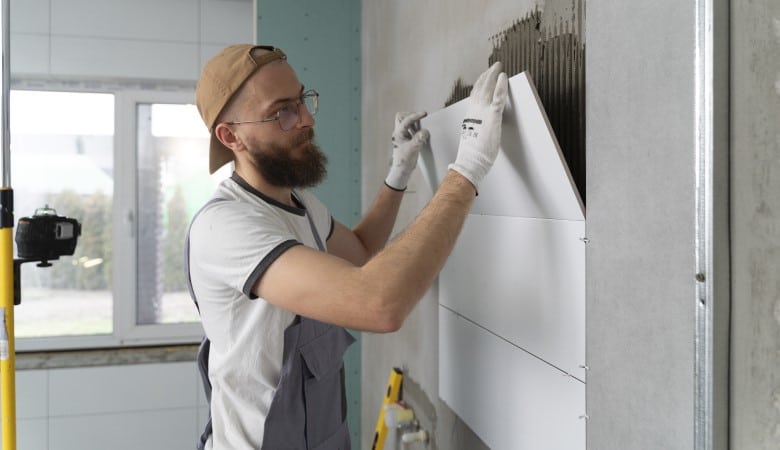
(277,279)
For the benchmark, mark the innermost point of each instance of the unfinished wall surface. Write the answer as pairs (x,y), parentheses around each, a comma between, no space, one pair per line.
(413,54)
(755,184)
(647,126)
(640,257)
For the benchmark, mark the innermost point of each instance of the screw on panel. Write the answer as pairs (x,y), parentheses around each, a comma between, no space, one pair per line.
(700,277)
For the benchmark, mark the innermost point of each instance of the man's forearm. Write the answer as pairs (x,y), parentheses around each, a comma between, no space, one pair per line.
(377,223)
(409,264)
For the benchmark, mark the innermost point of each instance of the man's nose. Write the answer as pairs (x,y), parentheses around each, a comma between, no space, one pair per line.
(305,118)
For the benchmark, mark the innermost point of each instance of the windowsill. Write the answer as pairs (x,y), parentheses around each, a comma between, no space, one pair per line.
(105,357)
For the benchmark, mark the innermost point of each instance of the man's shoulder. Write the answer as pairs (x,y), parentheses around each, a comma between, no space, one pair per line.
(230,199)
(310,200)
(235,214)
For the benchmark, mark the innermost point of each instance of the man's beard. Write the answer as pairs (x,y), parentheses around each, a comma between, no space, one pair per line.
(279,167)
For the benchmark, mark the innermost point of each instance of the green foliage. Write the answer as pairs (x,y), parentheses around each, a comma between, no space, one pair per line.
(173,245)
(90,266)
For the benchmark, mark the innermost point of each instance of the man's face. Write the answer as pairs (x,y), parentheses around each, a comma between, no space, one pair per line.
(284,158)
(297,163)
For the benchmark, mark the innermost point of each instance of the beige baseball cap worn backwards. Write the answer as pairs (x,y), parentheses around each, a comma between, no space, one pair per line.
(221,78)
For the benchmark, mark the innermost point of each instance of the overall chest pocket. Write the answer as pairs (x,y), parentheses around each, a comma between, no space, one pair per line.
(323,387)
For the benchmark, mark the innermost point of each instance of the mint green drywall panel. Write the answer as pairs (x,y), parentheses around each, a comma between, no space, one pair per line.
(322,43)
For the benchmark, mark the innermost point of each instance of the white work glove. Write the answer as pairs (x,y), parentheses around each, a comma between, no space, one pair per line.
(408,140)
(481,130)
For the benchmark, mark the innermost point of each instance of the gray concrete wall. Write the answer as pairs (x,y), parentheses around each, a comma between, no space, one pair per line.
(413,53)
(640,186)
(755,187)
(658,199)
(640,222)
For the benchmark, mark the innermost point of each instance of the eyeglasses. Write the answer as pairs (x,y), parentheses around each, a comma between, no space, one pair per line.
(289,115)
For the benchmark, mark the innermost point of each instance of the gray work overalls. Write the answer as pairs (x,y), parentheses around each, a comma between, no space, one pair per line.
(308,411)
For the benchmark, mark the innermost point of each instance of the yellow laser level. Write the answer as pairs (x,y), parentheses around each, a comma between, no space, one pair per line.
(392,395)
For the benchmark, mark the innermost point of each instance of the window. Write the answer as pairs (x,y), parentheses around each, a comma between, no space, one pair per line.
(62,149)
(172,185)
(132,167)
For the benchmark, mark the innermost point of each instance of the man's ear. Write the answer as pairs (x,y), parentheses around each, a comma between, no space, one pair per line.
(228,137)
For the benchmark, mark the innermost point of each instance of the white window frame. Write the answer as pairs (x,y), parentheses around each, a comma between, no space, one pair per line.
(126,332)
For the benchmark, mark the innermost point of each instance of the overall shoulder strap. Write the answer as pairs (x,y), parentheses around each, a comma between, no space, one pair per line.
(311,224)
(314,232)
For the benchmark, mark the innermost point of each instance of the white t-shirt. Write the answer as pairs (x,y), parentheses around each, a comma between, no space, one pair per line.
(232,243)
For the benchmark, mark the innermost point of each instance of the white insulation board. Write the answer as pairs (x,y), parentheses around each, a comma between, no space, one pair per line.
(523,279)
(529,178)
(512,294)
(511,399)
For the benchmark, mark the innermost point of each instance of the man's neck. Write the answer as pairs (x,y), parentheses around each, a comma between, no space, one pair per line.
(282,195)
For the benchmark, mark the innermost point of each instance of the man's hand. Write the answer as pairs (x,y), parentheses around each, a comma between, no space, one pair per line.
(481,130)
(408,140)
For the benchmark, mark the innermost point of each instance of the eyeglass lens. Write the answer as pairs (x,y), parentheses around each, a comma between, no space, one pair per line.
(288,116)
